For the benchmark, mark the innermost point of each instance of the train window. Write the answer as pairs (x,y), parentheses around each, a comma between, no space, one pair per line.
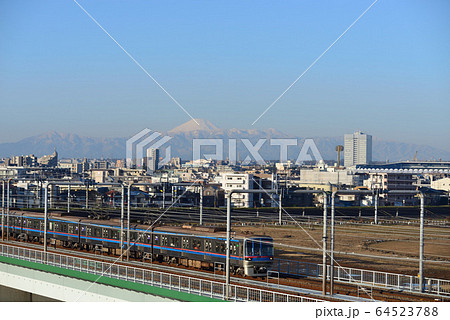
(185,244)
(196,244)
(50,226)
(164,240)
(70,228)
(98,232)
(174,242)
(64,227)
(266,247)
(208,245)
(115,235)
(220,247)
(105,233)
(156,239)
(260,247)
(235,249)
(249,248)
(88,231)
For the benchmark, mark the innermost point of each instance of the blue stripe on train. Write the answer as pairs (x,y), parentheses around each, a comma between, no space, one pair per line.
(201,253)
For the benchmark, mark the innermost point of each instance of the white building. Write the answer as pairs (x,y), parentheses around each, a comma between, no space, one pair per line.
(390,182)
(329,175)
(441,184)
(237,181)
(357,149)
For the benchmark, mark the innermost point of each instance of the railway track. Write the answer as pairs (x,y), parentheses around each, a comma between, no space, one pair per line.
(217,215)
(300,286)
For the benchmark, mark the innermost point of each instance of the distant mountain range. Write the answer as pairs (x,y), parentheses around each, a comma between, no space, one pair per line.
(75,146)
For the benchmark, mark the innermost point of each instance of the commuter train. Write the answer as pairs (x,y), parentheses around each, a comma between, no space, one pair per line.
(198,247)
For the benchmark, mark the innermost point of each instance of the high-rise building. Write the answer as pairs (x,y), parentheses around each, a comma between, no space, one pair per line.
(357,149)
(152,159)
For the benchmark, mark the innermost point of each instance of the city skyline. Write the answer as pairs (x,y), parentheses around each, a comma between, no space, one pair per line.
(388,75)
(181,139)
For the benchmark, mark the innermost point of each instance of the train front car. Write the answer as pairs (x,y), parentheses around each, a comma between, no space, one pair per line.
(258,255)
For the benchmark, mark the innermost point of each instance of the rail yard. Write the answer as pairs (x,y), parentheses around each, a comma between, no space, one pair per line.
(389,246)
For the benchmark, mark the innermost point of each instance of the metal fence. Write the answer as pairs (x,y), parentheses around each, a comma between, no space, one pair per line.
(169,281)
(363,277)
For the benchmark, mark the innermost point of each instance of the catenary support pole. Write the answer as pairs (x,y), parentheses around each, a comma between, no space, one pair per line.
(87,195)
(375,220)
(324,245)
(280,208)
(3,210)
(201,205)
(45,218)
(421,230)
(228,246)
(227,267)
(332,245)
(128,222)
(121,221)
(421,253)
(7,210)
(164,197)
(68,198)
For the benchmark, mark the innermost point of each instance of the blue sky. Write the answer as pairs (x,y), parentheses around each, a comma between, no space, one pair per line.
(226,61)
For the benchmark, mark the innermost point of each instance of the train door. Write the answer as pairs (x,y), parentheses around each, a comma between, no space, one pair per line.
(106,234)
(208,249)
(185,245)
(164,244)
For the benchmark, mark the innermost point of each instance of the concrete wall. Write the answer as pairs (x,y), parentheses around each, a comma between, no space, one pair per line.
(8,294)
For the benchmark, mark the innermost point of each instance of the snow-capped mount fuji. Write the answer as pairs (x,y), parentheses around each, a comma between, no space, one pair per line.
(194,125)
(201,128)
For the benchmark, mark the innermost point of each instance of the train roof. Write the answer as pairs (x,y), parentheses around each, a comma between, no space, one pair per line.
(210,231)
